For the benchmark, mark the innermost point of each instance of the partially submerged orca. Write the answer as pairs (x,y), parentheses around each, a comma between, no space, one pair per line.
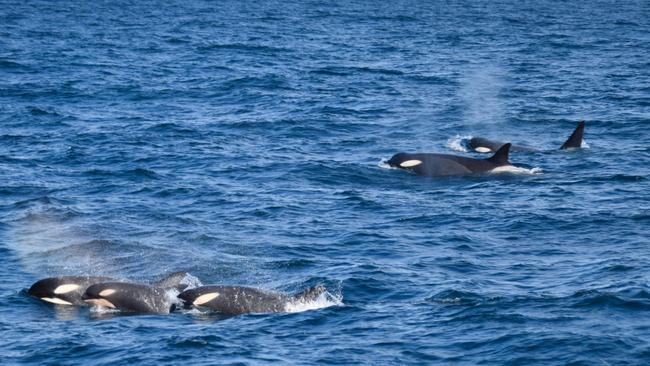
(64,290)
(439,165)
(68,290)
(483,145)
(234,300)
(130,297)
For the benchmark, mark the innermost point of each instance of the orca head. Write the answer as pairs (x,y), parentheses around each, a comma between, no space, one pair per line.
(483,145)
(56,291)
(101,294)
(404,161)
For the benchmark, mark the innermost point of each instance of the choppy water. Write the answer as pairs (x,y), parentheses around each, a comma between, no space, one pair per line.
(243,141)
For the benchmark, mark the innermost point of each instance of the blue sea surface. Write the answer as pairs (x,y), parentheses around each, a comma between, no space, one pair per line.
(244,142)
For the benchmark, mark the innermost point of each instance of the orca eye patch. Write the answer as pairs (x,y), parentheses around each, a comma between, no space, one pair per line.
(107,292)
(410,163)
(205,298)
(64,289)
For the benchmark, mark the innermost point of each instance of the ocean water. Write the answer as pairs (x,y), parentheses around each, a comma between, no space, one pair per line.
(244,142)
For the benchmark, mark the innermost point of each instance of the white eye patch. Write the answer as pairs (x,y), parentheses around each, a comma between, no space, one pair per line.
(482,149)
(205,298)
(64,289)
(410,163)
(107,292)
(55,300)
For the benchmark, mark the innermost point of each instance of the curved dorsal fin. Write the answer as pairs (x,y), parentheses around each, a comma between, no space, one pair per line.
(501,156)
(575,140)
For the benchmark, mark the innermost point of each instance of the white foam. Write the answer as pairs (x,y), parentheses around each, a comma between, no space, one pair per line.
(511,169)
(171,296)
(457,143)
(191,281)
(584,144)
(325,300)
(103,310)
(195,311)
(384,165)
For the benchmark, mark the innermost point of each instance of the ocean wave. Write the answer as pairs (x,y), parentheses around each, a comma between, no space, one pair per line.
(134,174)
(355,70)
(255,48)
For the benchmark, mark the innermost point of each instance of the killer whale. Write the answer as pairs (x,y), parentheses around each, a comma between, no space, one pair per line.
(483,145)
(439,165)
(69,290)
(129,297)
(235,300)
(64,290)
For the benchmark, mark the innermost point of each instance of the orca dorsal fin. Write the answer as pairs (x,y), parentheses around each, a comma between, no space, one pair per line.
(575,140)
(501,156)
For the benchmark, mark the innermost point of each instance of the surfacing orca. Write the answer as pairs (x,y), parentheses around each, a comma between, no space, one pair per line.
(68,290)
(129,297)
(64,290)
(234,300)
(483,145)
(440,165)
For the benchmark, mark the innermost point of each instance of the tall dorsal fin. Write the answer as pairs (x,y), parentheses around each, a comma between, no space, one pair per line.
(575,140)
(501,156)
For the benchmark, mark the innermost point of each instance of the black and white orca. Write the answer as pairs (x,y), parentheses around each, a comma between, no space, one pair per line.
(234,300)
(440,165)
(130,297)
(483,145)
(64,290)
(68,290)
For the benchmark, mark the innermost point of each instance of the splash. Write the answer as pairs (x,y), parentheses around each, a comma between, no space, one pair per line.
(172,293)
(324,300)
(458,143)
(191,281)
(103,310)
(511,169)
(384,165)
